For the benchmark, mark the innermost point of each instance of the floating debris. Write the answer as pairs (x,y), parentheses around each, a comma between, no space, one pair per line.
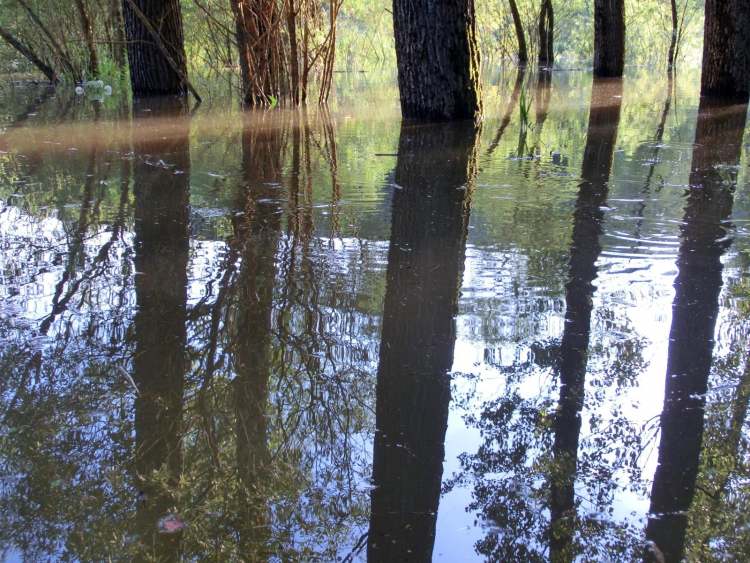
(171,524)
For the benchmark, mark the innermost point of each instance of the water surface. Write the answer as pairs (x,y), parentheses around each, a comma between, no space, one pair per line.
(330,335)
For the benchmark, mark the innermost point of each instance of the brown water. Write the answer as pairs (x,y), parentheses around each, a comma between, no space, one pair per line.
(316,336)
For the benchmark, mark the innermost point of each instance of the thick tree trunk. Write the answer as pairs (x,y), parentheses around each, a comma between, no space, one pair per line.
(160,360)
(438,59)
(604,118)
(435,172)
(29,55)
(546,34)
(718,141)
(156,67)
(726,49)
(88,36)
(609,37)
(523,54)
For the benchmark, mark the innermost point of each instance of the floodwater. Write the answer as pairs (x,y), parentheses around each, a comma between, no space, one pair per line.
(326,336)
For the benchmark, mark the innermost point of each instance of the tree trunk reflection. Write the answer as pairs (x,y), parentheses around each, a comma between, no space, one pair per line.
(161,258)
(718,142)
(604,117)
(434,176)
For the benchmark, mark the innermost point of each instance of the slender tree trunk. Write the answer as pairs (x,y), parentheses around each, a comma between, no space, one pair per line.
(673,42)
(523,54)
(291,26)
(436,169)
(726,49)
(160,361)
(546,34)
(609,37)
(157,65)
(718,141)
(60,53)
(88,36)
(438,59)
(604,118)
(119,50)
(259,42)
(29,55)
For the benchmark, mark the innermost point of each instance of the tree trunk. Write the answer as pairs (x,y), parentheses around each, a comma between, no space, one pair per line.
(32,57)
(523,54)
(88,36)
(609,37)
(291,25)
(435,173)
(118,25)
(546,34)
(718,142)
(259,43)
(60,53)
(438,59)
(726,49)
(673,41)
(604,118)
(155,69)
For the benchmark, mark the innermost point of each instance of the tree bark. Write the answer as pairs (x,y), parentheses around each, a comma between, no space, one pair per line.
(604,118)
(718,141)
(546,34)
(157,65)
(29,55)
(438,59)
(609,38)
(726,49)
(435,173)
(523,54)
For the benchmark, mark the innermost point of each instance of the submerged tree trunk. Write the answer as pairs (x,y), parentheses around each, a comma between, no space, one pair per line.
(726,49)
(546,34)
(157,64)
(718,142)
(609,37)
(523,55)
(438,59)
(604,118)
(88,36)
(435,171)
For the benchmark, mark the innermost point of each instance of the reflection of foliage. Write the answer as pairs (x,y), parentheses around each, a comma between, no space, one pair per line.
(512,471)
(717,521)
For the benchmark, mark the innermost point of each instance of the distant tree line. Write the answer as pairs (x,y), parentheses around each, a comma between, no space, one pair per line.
(281,46)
